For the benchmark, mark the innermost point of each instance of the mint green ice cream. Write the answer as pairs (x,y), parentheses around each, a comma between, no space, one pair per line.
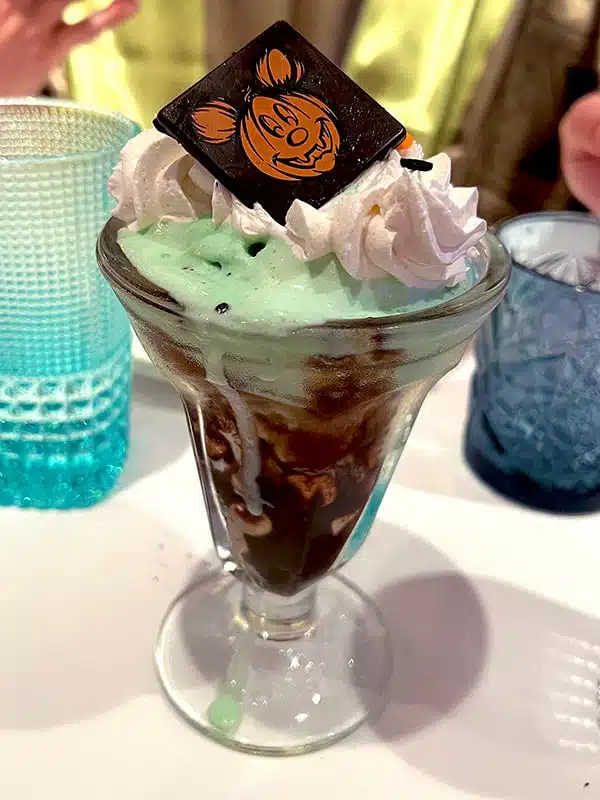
(260,283)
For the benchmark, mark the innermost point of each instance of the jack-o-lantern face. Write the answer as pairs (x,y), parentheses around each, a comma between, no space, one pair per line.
(286,135)
(290,137)
(277,123)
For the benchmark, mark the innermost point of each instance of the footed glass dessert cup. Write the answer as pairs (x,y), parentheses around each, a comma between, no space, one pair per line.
(296,437)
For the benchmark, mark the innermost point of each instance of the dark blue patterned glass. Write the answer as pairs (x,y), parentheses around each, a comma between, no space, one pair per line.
(534,427)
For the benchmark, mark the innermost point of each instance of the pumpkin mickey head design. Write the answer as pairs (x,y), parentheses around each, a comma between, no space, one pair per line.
(285,134)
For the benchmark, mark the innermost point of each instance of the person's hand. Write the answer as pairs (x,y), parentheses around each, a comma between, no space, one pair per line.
(34,39)
(580,150)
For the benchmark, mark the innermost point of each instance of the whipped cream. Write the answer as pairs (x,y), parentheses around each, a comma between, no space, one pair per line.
(157,179)
(412,225)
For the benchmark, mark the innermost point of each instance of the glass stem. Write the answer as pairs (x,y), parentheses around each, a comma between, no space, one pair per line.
(272,616)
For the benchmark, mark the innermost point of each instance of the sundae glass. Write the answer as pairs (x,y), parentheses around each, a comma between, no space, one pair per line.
(300,384)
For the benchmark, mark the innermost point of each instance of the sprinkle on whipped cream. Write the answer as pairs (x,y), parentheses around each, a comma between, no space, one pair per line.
(414,226)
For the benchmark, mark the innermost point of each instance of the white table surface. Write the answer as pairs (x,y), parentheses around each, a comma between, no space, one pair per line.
(494,613)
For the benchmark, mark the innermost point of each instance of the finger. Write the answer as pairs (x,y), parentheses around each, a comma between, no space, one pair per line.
(583,178)
(47,13)
(116,13)
(67,37)
(580,128)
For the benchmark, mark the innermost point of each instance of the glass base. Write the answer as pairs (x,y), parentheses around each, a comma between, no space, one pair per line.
(265,686)
(518,487)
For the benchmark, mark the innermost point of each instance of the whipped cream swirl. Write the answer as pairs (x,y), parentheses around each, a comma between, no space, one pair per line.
(415,226)
(157,179)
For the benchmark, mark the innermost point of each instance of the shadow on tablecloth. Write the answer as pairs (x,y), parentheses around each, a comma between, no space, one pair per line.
(527,729)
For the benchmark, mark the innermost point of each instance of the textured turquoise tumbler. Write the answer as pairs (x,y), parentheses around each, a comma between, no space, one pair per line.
(65,342)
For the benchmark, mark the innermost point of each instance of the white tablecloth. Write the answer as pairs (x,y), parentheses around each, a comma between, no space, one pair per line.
(494,613)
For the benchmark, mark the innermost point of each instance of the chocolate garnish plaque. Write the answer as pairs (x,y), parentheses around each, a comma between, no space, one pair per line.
(278,121)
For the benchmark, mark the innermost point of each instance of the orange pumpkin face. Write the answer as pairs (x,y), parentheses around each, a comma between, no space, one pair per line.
(285,134)
(290,136)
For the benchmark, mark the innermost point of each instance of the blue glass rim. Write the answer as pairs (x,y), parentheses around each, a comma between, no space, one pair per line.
(129,128)
(571,217)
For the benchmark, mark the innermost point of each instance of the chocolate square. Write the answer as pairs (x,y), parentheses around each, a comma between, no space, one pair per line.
(278,121)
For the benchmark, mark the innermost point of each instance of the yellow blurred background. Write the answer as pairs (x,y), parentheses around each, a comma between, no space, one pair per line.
(420,58)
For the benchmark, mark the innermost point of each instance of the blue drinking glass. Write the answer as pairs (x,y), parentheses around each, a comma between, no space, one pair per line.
(534,427)
(65,341)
